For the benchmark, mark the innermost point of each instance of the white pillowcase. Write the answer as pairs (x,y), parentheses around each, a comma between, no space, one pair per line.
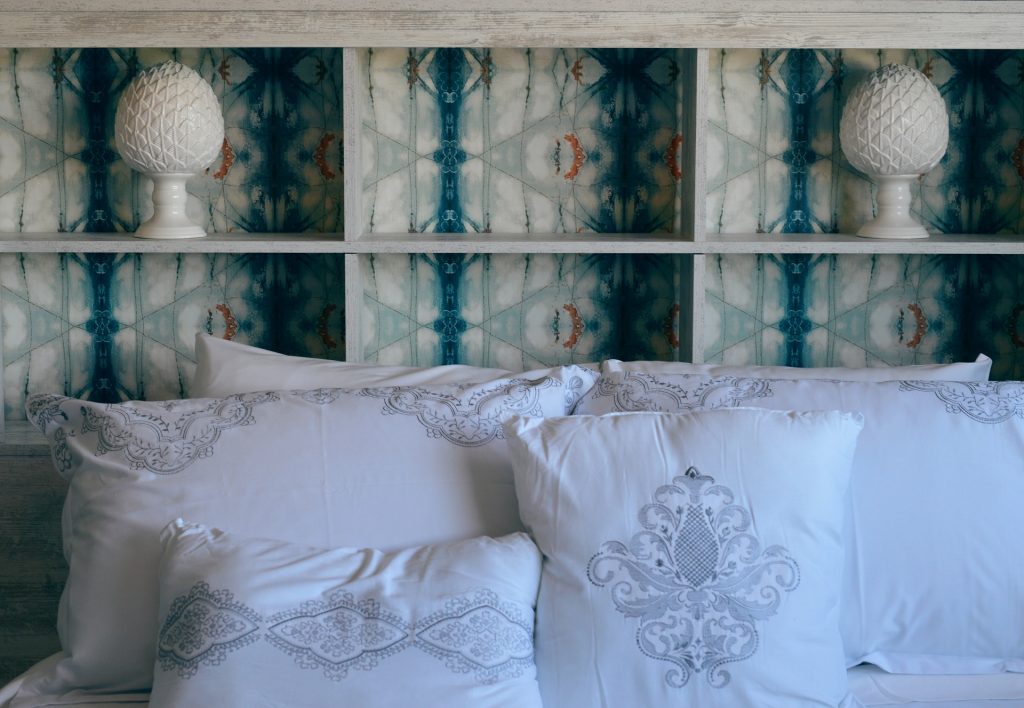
(933,583)
(977,370)
(249,622)
(385,468)
(690,560)
(224,367)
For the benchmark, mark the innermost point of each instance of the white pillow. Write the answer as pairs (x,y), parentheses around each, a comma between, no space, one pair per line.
(690,560)
(224,367)
(258,622)
(933,583)
(977,370)
(385,468)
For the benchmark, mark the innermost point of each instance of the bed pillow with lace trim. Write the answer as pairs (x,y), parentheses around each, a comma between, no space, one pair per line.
(386,467)
(247,622)
(690,559)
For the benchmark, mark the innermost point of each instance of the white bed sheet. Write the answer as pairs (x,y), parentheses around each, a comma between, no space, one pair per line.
(872,686)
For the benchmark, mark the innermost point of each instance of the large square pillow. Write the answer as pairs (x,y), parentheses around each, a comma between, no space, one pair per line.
(248,622)
(934,580)
(689,560)
(224,367)
(386,468)
(977,370)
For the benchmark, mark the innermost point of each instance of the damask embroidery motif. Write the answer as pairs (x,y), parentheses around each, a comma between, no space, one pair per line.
(479,634)
(167,444)
(697,579)
(338,635)
(45,408)
(471,416)
(989,402)
(202,627)
(633,391)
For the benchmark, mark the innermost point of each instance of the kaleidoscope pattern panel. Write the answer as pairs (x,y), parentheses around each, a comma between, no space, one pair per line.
(509,311)
(828,310)
(109,327)
(775,162)
(521,140)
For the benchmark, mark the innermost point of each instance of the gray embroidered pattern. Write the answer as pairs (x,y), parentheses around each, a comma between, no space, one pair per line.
(319,396)
(479,634)
(988,402)
(202,627)
(634,391)
(168,443)
(338,635)
(472,415)
(45,408)
(696,578)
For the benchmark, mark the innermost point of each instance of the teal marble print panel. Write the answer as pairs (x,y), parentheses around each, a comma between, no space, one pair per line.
(997,313)
(109,327)
(515,141)
(835,310)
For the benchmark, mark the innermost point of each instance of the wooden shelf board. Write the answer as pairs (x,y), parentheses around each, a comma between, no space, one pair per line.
(511,243)
(946,24)
(21,439)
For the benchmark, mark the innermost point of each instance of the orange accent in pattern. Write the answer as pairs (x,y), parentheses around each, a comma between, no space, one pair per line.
(670,326)
(670,156)
(928,70)
(412,70)
(229,160)
(1015,335)
(322,329)
(920,325)
(577,326)
(231,324)
(764,70)
(1018,158)
(577,70)
(487,70)
(225,70)
(320,156)
(578,156)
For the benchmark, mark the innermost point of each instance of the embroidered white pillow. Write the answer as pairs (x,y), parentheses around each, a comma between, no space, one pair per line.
(933,584)
(977,370)
(385,468)
(689,560)
(247,622)
(224,368)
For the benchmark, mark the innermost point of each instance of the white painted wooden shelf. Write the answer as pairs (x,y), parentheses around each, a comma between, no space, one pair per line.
(512,243)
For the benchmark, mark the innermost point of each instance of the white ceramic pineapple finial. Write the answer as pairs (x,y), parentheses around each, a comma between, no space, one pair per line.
(169,127)
(894,128)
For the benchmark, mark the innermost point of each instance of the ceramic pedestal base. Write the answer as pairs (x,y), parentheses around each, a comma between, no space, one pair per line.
(169,218)
(894,219)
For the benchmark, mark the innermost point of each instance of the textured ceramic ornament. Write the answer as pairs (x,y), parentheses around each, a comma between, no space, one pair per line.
(894,128)
(169,127)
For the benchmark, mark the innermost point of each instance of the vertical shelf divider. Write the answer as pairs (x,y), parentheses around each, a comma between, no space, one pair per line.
(695,118)
(352,96)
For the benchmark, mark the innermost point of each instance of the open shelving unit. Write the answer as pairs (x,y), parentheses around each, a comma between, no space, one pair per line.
(694,25)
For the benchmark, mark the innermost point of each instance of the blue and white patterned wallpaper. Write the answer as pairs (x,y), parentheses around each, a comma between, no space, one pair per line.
(775,165)
(109,327)
(460,140)
(514,140)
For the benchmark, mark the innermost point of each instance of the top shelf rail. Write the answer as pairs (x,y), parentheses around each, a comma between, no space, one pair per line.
(948,24)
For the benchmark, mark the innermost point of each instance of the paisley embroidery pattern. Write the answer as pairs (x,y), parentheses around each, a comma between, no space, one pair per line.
(167,444)
(696,578)
(633,391)
(470,417)
(202,627)
(45,408)
(989,402)
(479,633)
(338,635)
